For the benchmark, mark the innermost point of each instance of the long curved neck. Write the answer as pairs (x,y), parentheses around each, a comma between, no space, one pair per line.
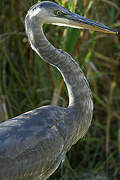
(77,85)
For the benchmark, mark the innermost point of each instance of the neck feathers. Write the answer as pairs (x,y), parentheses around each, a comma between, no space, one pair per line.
(77,85)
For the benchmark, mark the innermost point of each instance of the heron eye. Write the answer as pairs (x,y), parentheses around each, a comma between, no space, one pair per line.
(58,12)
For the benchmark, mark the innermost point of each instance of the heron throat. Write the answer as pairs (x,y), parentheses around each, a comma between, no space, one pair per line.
(77,85)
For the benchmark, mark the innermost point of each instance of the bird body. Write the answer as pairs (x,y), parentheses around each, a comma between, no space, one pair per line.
(33,144)
(26,143)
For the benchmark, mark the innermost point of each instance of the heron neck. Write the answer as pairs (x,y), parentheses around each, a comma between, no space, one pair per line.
(77,85)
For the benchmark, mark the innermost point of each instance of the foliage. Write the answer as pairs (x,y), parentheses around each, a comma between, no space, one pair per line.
(26,82)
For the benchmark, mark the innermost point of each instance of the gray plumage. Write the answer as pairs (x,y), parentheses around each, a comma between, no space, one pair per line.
(33,144)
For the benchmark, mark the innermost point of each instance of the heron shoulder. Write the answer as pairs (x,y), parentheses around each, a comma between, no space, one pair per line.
(29,130)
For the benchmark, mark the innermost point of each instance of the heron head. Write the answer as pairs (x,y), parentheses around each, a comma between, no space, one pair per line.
(51,13)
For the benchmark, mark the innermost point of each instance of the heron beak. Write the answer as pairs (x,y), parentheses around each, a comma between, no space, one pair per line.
(78,21)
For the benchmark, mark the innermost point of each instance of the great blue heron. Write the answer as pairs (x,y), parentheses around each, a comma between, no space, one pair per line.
(33,144)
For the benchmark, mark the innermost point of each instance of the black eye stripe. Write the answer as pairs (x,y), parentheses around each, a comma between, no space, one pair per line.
(59,12)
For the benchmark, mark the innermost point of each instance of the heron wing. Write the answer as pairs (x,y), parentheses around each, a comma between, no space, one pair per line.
(31,143)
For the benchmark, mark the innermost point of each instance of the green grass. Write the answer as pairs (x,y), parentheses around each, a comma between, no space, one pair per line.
(27,82)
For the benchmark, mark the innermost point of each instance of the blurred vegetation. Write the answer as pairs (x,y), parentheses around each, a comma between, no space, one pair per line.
(26,82)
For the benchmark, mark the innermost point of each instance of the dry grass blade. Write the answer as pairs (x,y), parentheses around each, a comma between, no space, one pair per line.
(109,117)
(3,109)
